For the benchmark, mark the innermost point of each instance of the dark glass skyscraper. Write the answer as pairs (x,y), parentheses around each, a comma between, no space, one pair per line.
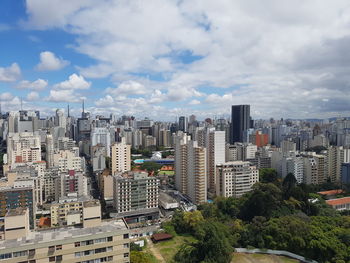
(183,123)
(240,121)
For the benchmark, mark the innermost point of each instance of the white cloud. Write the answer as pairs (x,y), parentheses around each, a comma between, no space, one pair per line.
(49,62)
(64,96)
(33,96)
(194,102)
(74,82)
(6,96)
(128,88)
(11,73)
(264,53)
(38,84)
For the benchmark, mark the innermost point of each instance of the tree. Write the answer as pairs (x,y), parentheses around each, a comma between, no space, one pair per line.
(288,184)
(193,218)
(151,167)
(264,200)
(268,175)
(213,245)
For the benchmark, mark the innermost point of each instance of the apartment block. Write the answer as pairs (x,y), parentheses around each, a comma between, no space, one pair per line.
(235,178)
(120,157)
(102,241)
(136,197)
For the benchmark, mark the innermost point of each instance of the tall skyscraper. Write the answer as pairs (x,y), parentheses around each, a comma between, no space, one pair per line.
(240,121)
(183,123)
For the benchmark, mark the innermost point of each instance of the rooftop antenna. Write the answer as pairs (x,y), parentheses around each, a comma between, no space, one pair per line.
(68,110)
(83,107)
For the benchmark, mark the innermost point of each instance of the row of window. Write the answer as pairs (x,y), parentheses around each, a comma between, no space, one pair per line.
(93,241)
(93,251)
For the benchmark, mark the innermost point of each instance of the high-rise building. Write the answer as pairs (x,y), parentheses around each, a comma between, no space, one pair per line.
(23,147)
(183,123)
(240,122)
(181,141)
(136,197)
(235,178)
(345,173)
(190,168)
(101,136)
(120,157)
(196,173)
(71,183)
(215,155)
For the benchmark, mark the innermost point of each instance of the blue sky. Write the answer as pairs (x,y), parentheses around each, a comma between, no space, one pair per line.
(164,58)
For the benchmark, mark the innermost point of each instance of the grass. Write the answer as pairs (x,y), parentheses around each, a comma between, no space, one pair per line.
(166,173)
(169,248)
(261,258)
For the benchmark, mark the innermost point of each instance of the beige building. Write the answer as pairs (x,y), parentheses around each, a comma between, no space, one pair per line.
(94,241)
(134,194)
(181,140)
(68,160)
(70,212)
(190,168)
(235,178)
(23,147)
(120,157)
(196,173)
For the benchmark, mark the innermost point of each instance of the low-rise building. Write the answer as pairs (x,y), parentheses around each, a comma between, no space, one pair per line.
(94,241)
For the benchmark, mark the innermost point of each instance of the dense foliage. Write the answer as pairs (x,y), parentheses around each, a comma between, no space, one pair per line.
(276,214)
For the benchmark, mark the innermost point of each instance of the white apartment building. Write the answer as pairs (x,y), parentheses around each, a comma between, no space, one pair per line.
(235,178)
(101,136)
(215,155)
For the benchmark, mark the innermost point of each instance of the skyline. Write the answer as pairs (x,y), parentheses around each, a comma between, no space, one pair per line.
(166,59)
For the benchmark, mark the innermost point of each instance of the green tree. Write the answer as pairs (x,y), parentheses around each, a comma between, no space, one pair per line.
(213,245)
(193,218)
(268,175)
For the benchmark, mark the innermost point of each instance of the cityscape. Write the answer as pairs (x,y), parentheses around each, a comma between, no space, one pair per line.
(174,131)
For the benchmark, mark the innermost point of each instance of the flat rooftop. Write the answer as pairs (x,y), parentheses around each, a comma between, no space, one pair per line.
(17,211)
(64,234)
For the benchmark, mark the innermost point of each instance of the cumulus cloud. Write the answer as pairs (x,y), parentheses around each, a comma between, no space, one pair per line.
(11,73)
(128,88)
(49,62)
(38,84)
(74,82)
(33,96)
(64,96)
(194,102)
(284,60)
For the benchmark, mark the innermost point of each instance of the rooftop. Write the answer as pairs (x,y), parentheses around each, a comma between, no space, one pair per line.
(339,201)
(63,233)
(17,211)
(331,192)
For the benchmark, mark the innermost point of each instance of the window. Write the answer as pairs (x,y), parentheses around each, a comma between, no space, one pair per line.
(59,247)
(77,244)
(126,245)
(20,253)
(126,255)
(59,258)
(109,239)
(6,256)
(52,259)
(126,236)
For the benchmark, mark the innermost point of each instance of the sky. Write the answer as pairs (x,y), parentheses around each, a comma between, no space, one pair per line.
(165,58)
